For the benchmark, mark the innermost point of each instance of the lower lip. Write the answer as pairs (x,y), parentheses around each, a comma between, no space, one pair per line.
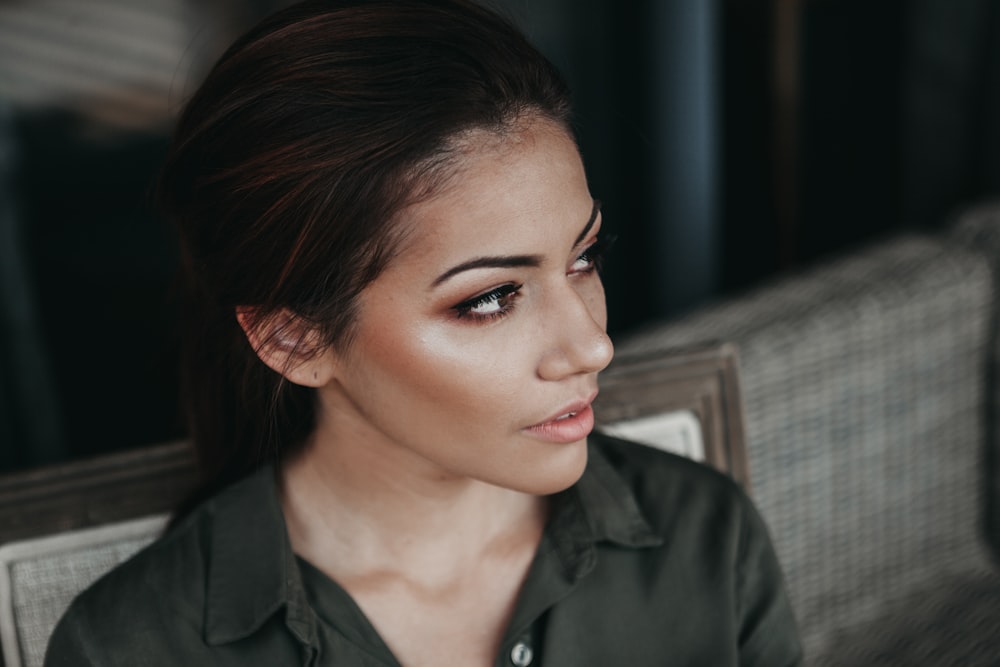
(571,429)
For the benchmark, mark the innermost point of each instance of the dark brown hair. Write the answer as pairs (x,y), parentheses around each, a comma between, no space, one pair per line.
(287,168)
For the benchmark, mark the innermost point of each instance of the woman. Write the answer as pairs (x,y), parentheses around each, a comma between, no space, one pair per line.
(391,256)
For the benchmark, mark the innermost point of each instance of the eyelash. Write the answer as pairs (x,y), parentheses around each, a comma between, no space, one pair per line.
(497,295)
(595,254)
(505,295)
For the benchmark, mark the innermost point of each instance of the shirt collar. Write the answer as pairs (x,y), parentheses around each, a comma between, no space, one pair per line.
(252,571)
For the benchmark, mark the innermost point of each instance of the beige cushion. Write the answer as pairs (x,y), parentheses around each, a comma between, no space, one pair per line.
(40,577)
(677,431)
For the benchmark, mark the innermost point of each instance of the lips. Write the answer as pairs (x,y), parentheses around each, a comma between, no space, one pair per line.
(570,423)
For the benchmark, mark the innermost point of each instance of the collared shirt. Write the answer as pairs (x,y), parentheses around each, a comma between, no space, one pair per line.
(649,559)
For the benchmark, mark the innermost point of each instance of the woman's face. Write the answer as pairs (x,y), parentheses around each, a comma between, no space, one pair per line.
(487,329)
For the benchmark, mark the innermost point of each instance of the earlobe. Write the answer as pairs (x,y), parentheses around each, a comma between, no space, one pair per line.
(288,346)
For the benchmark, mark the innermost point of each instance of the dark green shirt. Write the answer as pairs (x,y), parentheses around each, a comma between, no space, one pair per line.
(650,559)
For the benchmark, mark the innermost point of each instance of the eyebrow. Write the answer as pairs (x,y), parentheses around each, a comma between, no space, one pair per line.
(513,261)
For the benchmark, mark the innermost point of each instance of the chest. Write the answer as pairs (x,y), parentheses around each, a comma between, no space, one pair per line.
(461,625)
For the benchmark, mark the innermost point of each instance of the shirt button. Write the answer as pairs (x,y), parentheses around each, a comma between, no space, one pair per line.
(521,655)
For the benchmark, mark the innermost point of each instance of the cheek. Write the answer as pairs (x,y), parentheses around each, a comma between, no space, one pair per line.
(461,369)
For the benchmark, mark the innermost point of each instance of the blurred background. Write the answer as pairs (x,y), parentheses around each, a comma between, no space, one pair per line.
(730,140)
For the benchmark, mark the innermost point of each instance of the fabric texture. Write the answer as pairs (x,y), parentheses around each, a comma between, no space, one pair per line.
(864,383)
(44,587)
(648,558)
(40,576)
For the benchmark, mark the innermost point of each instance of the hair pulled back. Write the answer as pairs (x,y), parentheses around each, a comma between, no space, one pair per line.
(287,168)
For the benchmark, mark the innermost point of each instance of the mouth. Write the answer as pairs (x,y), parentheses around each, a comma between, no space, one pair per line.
(569,410)
(571,423)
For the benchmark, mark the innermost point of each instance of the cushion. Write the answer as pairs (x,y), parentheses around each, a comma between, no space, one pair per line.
(40,577)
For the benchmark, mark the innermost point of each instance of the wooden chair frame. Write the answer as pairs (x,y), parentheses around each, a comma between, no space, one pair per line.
(703,380)
(80,494)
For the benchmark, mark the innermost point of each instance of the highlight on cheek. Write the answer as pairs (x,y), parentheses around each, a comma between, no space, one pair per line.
(489,305)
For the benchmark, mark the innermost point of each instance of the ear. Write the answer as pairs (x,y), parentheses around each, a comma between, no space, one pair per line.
(288,345)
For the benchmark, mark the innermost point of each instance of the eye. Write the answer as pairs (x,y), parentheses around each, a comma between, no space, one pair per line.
(489,305)
(593,256)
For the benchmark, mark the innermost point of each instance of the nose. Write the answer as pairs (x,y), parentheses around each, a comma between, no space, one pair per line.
(577,340)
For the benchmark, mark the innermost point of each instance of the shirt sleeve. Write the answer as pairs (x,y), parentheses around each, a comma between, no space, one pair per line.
(768,634)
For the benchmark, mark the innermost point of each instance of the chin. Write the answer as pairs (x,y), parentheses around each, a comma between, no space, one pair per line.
(557,473)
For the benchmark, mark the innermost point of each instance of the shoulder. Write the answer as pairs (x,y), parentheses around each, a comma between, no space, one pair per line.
(156,596)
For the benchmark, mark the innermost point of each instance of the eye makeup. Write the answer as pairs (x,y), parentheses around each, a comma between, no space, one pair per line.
(499,301)
(489,305)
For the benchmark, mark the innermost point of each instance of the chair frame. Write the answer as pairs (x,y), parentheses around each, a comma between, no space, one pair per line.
(106,489)
(702,379)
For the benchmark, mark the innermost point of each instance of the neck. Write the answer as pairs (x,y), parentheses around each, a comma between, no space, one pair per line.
(355,506)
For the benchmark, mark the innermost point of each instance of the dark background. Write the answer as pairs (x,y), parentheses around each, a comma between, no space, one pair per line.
(730,141)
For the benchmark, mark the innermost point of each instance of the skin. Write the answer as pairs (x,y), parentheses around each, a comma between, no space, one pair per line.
(422,491)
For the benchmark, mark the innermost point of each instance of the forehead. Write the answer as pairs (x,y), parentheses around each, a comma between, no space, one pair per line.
(502,193)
